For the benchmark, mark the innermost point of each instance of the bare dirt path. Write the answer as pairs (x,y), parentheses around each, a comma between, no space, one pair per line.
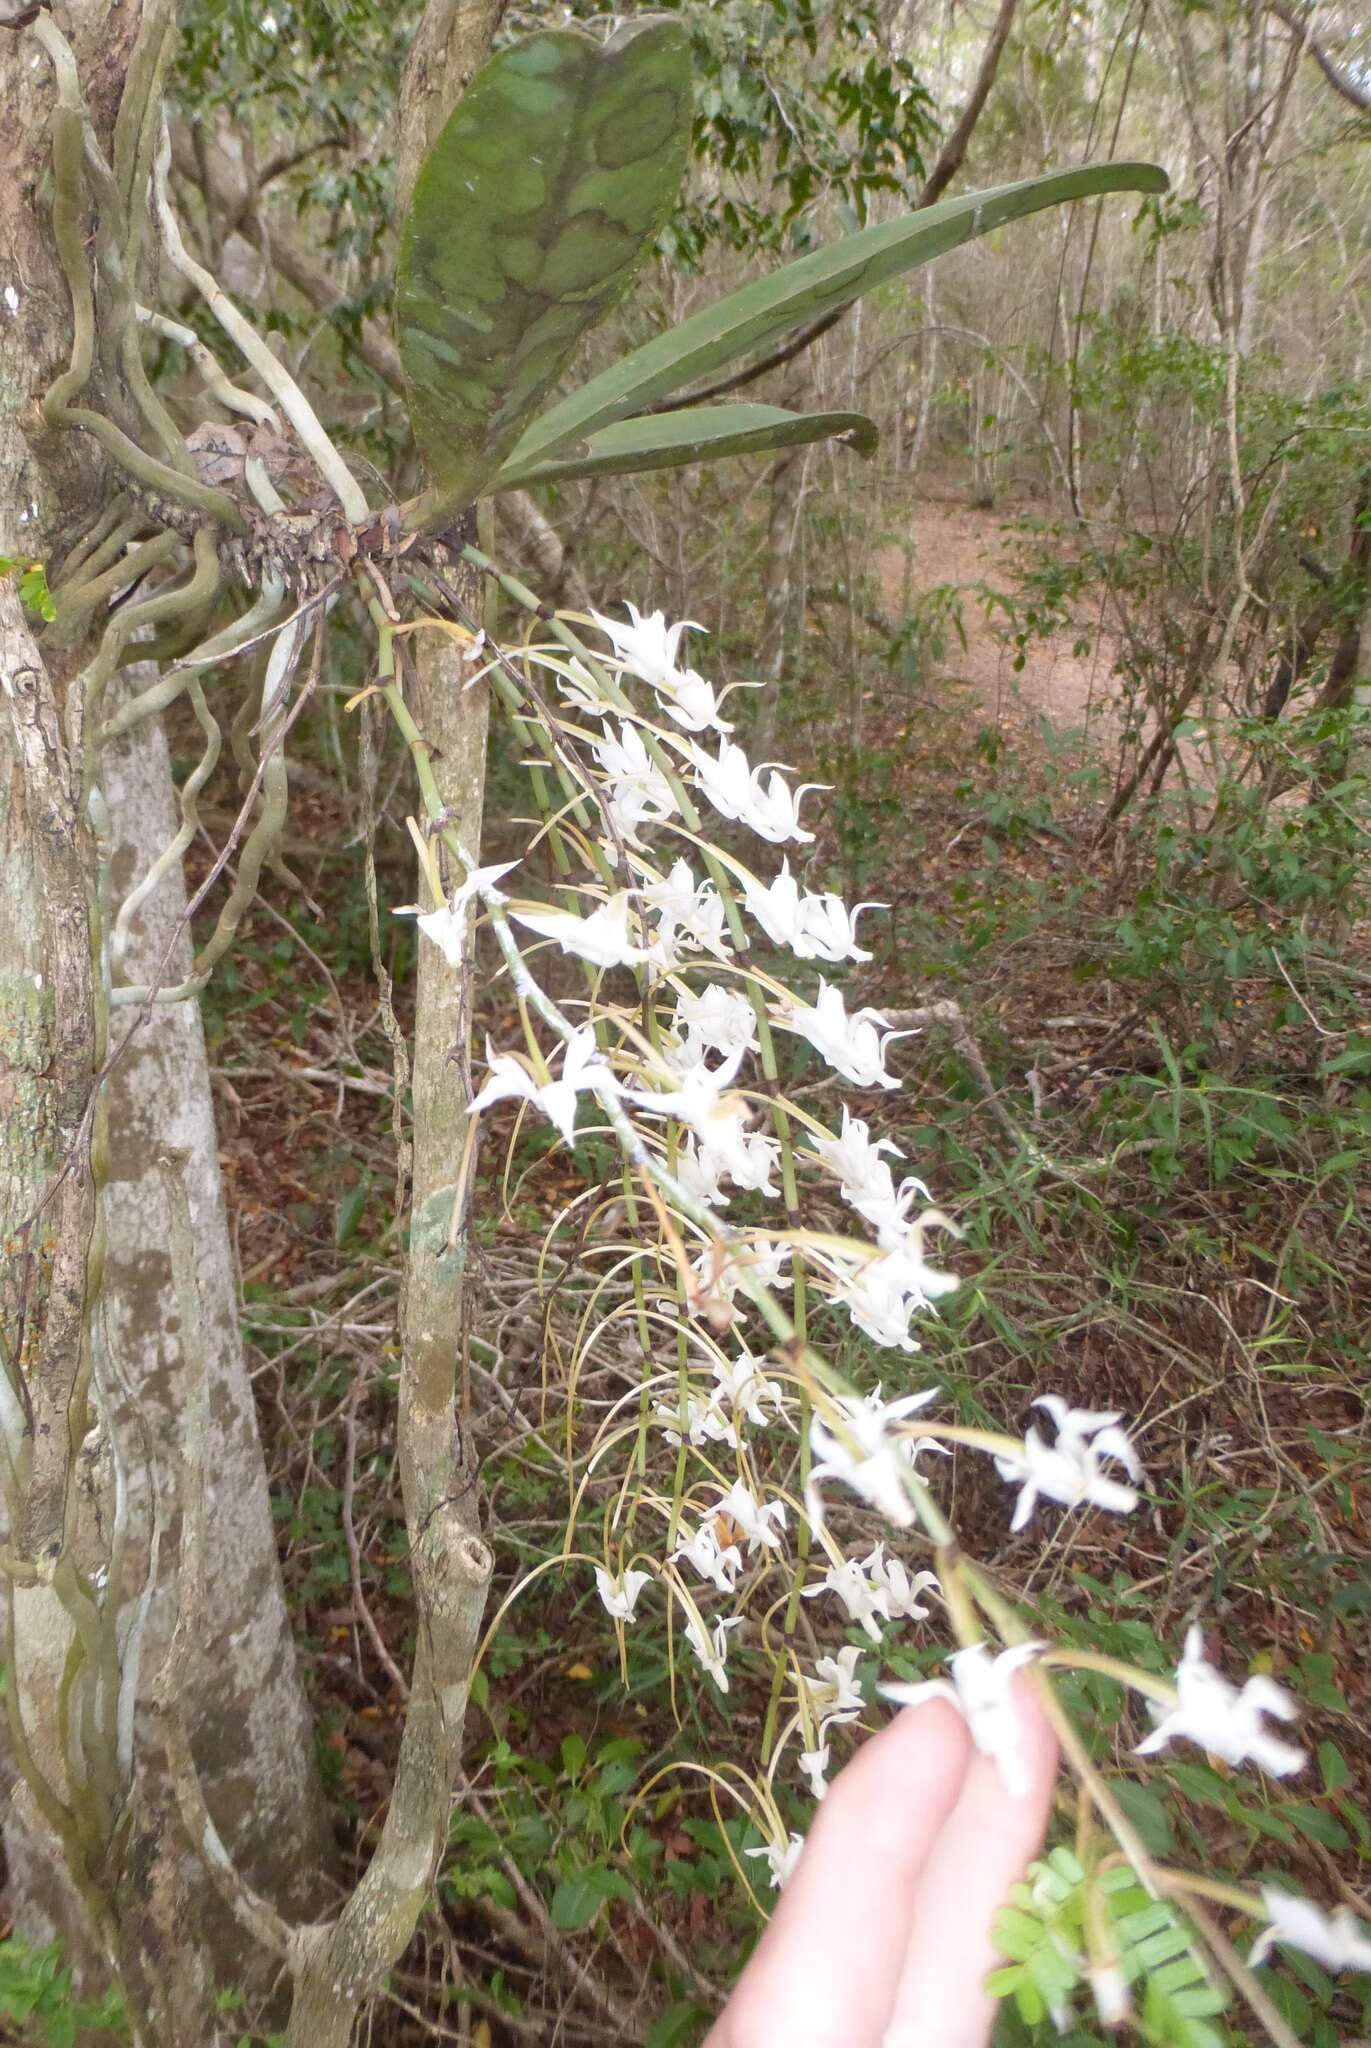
(955,543)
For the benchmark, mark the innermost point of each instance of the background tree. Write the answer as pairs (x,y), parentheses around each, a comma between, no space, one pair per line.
(241,1691)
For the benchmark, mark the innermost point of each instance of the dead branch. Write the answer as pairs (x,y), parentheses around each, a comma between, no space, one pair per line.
(950,1017)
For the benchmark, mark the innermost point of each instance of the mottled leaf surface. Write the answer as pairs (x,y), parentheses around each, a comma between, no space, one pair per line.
(695,434)
(530,215)
(830,278)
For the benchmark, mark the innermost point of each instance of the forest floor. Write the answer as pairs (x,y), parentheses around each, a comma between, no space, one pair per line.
(975,549)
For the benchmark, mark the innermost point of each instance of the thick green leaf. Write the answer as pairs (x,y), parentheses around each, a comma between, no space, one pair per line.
(701,433)
(530,215)
(823,282)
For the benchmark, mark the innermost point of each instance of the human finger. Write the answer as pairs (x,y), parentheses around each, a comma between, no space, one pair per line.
(825,1971)
(983,1849)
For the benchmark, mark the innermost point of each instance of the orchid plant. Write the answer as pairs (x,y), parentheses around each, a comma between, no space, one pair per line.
(745,1489)
(740,1449)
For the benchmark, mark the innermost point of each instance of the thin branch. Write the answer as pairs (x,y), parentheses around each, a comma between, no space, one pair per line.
(1015,376)
(1342,82)
(953,152)
(951,1017)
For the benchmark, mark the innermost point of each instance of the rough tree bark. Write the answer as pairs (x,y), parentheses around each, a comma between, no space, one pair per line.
(243,1697)
(250,1727)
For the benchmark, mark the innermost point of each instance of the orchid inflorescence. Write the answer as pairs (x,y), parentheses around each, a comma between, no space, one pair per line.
(675,1050)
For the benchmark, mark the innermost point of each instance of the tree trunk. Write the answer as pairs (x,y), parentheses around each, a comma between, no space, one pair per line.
(147,1904)
(249,1722)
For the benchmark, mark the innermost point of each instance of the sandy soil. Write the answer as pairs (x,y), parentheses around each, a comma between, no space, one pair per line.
(955,543)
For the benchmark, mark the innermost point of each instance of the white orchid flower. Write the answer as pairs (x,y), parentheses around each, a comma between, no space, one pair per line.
(781,1860)
(690,911)
(622,752)
(830,928)
(619,1595)
(720,1018)
(855,1156)
(602,938)
(674,894)
(760,1521)
(684,1055)
(833,1692)
(755,1161)
(814,1764)
(712,1650)
(724,1142)
(1339,1940)
(929,1283)
(648,648)
(662,950)
(878,1296)
(584,1069)
(854,1046)
(980,1689)
(447,925)
(867,1605)
(700,1174)
(750,796)
(767,1261)
(1069,1470)
(1223,1720)
(705,1422)
(639,792)
(890,1217)
(724,778)
(875,1467)
(812,926)
(631,804)
(696,1102)
(779,910)
(742,1383)
(720,1564)
(719,1120)
(884,1291)
(773,809)
(900,1591)
(761,1259)
(693,703)
(877,1588)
